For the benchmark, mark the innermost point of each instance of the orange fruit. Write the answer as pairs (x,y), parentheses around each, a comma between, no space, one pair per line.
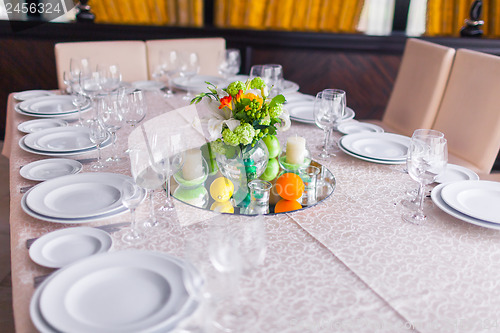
(289,186)
(286,206)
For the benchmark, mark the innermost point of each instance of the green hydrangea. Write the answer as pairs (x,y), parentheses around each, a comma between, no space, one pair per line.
(257,83)
(233,88)
(218,146)
(245,132)
(276,110)
(230,137)
(265,121)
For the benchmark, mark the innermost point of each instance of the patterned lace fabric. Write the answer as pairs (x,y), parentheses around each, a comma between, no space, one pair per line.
(348,264)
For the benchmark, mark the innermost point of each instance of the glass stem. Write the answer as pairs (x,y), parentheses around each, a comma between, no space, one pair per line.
(420,211)
(99,154)
(168,190)
(152,207)
(115,151)
(133,223)
(327,139)
(80,120)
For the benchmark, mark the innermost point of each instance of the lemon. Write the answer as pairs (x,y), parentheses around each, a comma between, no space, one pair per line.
(221,189)
(222,207)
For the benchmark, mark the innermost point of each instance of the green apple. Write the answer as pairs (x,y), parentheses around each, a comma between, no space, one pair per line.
(273,145)
(271,171)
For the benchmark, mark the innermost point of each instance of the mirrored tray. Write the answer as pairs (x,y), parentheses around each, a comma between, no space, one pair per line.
(199,196)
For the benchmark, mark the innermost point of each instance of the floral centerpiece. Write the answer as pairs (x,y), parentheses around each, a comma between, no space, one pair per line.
(241,115)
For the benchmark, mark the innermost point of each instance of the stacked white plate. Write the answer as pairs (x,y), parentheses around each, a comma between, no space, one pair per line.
(60,141)
(127,291)
(353,126)
(76,198)
(383,148)
(197,84)
(50,168)
(29,94)
(472,201)
(301,108)
(50,106)
(32,126)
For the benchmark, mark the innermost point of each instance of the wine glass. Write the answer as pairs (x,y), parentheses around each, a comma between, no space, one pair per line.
(98,134)
(256,71)
(272,74)
(110,77)
(413,193)
(427,158)
(79,68)
(134,106)
(78,99)
(132,195)
(91,86)
(228,254)
(111,116)
(148,176)
(229,62)
(189,68)
(333,146)
(169,65)
(328,107)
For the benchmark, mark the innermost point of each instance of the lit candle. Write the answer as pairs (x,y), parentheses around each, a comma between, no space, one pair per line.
(295,150)
(193,166)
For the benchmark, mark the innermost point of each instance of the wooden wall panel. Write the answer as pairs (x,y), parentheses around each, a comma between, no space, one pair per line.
(366,78)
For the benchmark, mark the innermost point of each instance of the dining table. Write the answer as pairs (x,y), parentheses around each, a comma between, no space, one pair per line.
(347,264)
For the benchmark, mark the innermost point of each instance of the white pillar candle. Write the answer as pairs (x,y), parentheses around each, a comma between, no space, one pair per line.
(193,166)
(295,150)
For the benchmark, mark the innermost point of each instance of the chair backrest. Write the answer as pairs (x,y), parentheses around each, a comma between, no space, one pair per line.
(419,86)
(130,56)
(208,50)
(469,115)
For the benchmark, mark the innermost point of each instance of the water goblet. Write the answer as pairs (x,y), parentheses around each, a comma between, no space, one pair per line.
(229,63)
(189,68)
(272,74)
(91,86)
(79,100)
(79,68)
(169,65)
(333,146)
(132,195)
(328,107)
(256,71)
(148,176)
(110,77)
(427,158)
(98,134)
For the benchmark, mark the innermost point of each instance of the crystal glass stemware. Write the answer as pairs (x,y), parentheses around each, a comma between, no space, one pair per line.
(78,99)
(79,68)
(229,63)
(110,77)
(112,117)
(427,158)
(91,86)
(189,68)
(132,196)
(273,77)
(333,145)
(134,106)
(98,134)
(328,107)
(169,66)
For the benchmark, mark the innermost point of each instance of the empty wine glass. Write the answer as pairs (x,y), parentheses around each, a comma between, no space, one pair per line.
(272,74)
(98,134)
(427,158)
(111,116)
(110,77)
(256,71)
(229,63)
(134,106)
(189,68)
(79,68)
(328,107)
(147,175)
(333,145)
(169,66)
(91,86)
(79,100)
(132,195)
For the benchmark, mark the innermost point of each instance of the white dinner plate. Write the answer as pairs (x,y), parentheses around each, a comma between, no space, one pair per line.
(147,85)
(94,218)
(296,97)
(364,158)
(382,146)
(353,126)
(198,83)
(50,168)
(32,126)
(436,196)
(51,105)
(28,94)
(77,196)
(302,111)
(127,291)
(455,173)
(62,154)
(477,198)
(64,246)
(60,139)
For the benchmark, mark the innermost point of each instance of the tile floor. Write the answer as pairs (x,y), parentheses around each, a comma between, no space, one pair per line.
(6,318)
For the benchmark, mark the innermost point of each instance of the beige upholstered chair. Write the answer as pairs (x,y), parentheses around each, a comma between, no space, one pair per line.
(208,50)
(419,87)
(129,55)
(469,115)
